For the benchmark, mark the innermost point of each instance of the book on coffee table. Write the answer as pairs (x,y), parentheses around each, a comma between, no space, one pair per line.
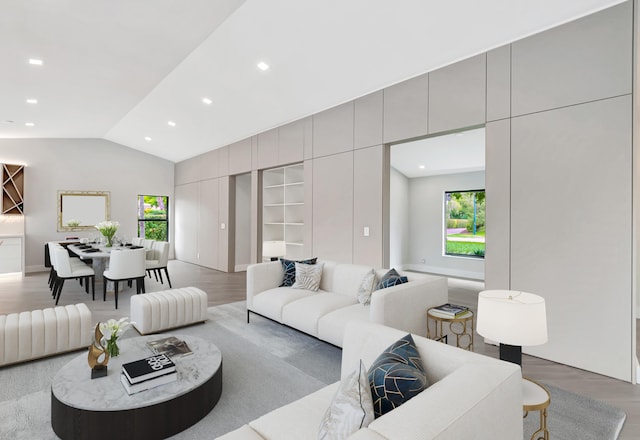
(148,368)
(133,388)
(450,311)
(170,346)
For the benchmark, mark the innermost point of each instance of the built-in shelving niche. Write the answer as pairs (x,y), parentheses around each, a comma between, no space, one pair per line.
(12,189)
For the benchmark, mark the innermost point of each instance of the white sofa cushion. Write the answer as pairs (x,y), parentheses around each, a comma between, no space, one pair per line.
(305,313)
(350,409)
(271,302)
(308,276)
(331,326)
(298,420)
(348,277)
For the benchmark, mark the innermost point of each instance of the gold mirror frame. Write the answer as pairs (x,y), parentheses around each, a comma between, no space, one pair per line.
(87,207)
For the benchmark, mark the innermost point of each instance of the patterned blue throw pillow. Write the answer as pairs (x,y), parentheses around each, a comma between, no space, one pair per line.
(390,279)
(289,267)
(396,376)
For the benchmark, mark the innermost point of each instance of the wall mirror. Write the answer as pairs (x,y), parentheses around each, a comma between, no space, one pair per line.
(82,210)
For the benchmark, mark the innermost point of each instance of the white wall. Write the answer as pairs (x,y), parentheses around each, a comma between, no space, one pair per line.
(83,165)
(399,220)
(426,225)
(243,221)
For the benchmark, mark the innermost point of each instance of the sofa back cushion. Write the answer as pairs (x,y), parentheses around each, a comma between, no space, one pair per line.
(348,277)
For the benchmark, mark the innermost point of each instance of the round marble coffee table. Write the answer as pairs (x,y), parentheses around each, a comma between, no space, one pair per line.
(85,408)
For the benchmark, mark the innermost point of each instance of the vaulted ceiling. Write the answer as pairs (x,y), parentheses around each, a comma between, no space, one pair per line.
(123,70)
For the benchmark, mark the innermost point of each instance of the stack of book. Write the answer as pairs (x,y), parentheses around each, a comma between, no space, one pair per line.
(450,311)
(148,373)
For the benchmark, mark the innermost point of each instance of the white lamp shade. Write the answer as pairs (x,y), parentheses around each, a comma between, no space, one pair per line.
(512,317)
(274,248)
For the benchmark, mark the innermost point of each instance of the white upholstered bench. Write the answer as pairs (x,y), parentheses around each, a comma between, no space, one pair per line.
(39,333)
(156,311)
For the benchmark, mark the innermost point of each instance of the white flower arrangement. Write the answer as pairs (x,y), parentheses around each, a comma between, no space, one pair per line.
(112,330)
(108,229)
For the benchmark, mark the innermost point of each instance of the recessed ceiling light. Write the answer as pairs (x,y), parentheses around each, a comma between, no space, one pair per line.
(421,167)
(35,62)
(147,138)
(171,123)
(207,101)
(29,124)
(32,101)
(263,66)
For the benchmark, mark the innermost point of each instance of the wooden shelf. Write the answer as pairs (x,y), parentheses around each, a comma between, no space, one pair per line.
(12,189)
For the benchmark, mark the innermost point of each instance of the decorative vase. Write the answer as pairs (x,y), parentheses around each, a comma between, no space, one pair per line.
(109,241)
(112,347)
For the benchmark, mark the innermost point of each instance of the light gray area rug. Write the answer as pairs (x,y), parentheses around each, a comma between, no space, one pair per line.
(572,416)
(265,365)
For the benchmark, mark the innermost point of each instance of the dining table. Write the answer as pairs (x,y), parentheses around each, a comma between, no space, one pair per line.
(99,254)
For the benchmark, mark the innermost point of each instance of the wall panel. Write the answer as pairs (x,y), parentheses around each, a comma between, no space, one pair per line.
(268,149)
(333,130)
(207,239)
(333,207)
(187,205)
(405,109)
(457,95)
(291,143)
(498,205)
(571,228)
(240,157)
(187,171)
(367,205)
(368,120)
(499,83)
(581,61)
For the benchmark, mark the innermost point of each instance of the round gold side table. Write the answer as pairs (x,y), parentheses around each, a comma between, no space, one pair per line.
(535,397)
(461,327)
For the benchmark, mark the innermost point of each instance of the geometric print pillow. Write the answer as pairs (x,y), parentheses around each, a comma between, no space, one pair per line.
(396,376)
(289,267)
(308,276)
(390,279)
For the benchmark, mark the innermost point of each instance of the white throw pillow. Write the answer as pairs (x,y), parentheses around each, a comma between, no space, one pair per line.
(308,276)
(366,288)
(351,408)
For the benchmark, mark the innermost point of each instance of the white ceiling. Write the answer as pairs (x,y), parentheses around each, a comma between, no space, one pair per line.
(461,152)
(121,69)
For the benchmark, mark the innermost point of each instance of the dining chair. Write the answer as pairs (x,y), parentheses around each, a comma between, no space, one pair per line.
(71,268)
(125,265)
(137,241)
(160,261)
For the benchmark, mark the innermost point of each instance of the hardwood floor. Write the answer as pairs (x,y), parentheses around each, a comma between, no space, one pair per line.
(31,292)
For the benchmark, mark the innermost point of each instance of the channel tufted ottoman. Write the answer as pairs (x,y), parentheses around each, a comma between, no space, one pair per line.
(157,311)
(39,333)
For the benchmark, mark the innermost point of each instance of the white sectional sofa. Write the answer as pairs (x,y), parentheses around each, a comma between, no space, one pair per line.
(324,313)
(470,396)
(39,333)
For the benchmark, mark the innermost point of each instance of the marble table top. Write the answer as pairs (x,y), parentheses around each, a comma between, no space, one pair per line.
(73,385)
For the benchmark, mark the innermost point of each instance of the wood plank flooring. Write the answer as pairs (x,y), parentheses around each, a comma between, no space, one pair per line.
(31,292)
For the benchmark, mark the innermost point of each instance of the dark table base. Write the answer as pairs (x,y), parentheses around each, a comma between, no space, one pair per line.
(157,421)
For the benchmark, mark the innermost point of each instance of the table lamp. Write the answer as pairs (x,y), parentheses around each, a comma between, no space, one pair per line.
(513,319)
(274,249)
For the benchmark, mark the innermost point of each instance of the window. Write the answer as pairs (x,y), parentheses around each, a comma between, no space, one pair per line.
(153,217)
(464,219)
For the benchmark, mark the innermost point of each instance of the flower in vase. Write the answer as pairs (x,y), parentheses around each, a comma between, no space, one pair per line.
(108,229)
(111,331)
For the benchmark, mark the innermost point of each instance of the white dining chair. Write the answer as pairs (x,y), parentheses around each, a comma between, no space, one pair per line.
(66,268)
(125,265)
(137,241)
(160,261)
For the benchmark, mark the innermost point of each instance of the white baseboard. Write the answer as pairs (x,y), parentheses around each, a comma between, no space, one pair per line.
(36,268)
(444,271)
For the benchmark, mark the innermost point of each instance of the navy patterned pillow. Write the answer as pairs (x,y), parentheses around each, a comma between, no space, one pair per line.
(396,376)
(289,267)
(391,278)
